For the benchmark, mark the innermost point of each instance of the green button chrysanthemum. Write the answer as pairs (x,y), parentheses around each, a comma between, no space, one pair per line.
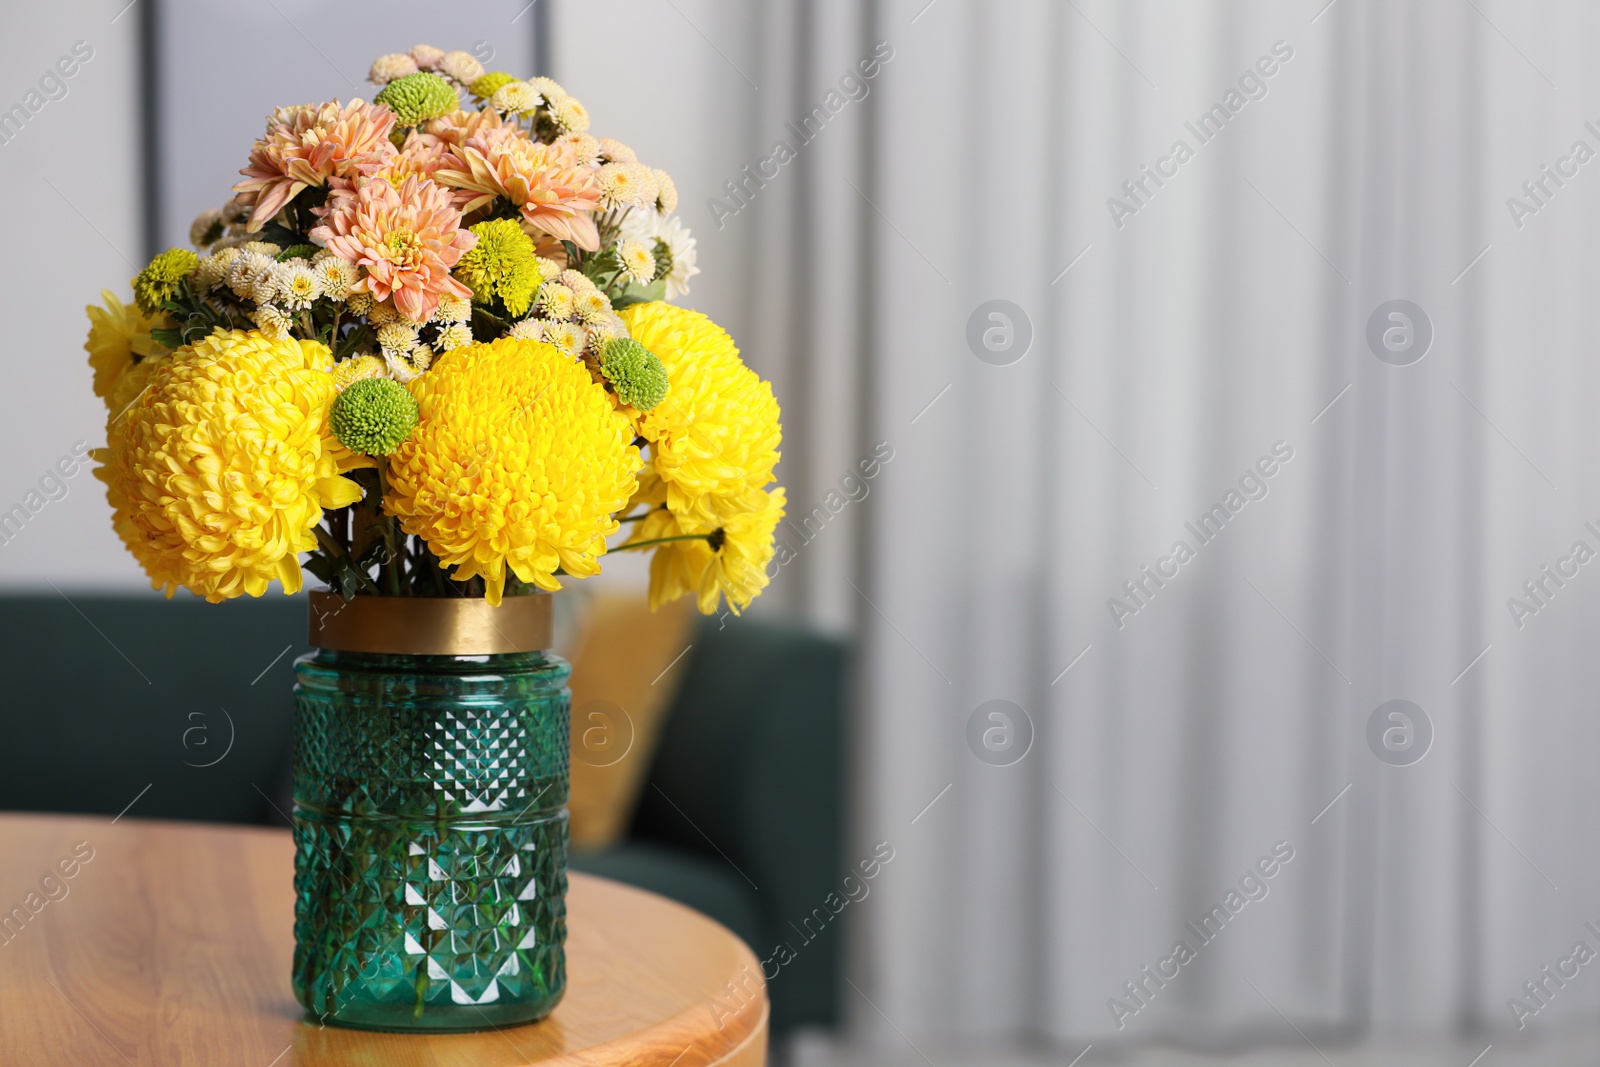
(159,281)
(416,98)
(502,264)
(373,416)
(635,372)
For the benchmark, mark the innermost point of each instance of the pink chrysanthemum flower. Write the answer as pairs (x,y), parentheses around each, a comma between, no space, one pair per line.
(458,125)
(406,240)
(422,155)
(545,182)
(307,145)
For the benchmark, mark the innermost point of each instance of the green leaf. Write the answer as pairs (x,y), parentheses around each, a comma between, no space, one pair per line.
(279,235)
(641,294)
(167,337)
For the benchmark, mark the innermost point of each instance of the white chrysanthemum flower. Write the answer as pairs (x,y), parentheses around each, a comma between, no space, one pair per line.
(398,336)
(266,248)
(666,191)
(567,336)
(205,224)
(575,280)
(606,329)
(453,308)
(591,306)
(454,336)
(555,301)
(336,276)
(625,185)
(549,88)
(515,98)
(548,268)
(272,322)
(404,366)
(527,330)
(386,69)
(614,151)
(462,67)
(265,289)
(568,115)
(246,270)
(638,261)
(426,56)
(649,227)
(586,147)
(296,284)
(214,268)
(360,303)
(382,314)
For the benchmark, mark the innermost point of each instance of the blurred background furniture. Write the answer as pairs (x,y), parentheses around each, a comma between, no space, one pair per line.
(181,710)
(170,942)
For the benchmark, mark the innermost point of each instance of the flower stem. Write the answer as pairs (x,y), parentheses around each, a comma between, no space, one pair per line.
(335,549)
(662,541)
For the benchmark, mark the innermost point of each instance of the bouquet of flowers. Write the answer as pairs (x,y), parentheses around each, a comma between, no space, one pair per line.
(426,350)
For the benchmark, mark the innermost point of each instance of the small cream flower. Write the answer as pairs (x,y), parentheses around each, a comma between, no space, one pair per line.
(397,336)
(296,284)
(246,270)
(336,276)
(515,98)
(405,366)
(592,306)
(205,225)
(460,66)
(454,336)
(607,329)
(527,330)
(555,301)
(569,115)
(549,88)
(548,268)
(567,336)
(666,191)
(360,303)
(266,248)
(214,268)
(273,324)
(614,151)
(626,185)
(638,265)
(575,280)
(426,56)
(358,367)
(386,69)
(453,309)
(382,314)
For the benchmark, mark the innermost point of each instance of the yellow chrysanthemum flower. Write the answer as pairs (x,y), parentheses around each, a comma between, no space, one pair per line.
(121,351)
(519,460)
(715,435)
(219,470)
(716,432)
(732,562)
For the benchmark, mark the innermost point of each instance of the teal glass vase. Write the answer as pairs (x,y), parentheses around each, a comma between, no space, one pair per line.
(430,832)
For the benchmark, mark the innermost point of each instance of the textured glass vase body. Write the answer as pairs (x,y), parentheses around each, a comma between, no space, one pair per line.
(430,835)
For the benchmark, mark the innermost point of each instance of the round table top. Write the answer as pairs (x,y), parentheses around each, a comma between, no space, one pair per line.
(150,943)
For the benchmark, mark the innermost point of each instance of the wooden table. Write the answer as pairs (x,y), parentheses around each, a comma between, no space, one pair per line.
(170,943)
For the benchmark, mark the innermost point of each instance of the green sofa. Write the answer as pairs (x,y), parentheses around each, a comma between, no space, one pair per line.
(181,710)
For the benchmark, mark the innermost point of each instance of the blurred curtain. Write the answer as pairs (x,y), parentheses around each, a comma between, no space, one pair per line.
(1189,332)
